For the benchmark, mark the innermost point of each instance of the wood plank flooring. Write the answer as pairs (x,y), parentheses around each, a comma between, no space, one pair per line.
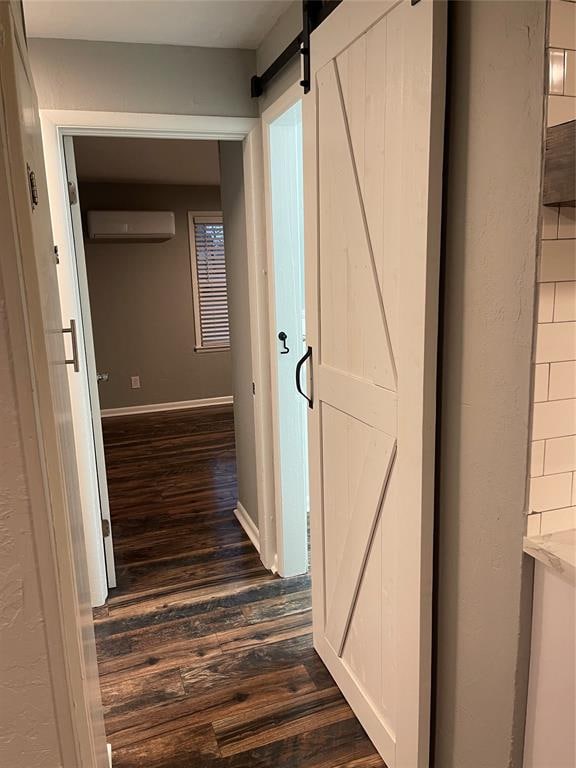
(205,658)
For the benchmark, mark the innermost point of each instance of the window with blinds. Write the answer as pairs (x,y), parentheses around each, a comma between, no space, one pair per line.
(209,281)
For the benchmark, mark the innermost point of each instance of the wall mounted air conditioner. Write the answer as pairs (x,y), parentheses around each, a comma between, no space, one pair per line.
(131,226)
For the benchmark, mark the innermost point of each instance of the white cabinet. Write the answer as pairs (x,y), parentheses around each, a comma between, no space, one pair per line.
(550,740)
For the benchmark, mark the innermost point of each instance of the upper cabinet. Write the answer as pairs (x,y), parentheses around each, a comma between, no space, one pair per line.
(560,164)
(560,160)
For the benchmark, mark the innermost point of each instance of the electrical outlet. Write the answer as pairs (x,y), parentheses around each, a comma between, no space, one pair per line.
(135,382)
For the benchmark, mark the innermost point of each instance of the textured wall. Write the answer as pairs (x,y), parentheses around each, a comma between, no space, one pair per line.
(137,77)
(141,303)
(494,129)
(44,720)
(234,210)
(28,733)
(552,503)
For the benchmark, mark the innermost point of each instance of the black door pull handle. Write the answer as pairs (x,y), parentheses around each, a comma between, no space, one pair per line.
(282,336)
(307,354)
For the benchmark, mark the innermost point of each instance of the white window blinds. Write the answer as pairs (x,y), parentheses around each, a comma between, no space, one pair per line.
(209,281)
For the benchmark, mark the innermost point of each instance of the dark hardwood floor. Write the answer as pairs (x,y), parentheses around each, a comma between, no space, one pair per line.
(205,658)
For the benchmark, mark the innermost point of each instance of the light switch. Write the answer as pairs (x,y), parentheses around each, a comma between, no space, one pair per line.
(135,382)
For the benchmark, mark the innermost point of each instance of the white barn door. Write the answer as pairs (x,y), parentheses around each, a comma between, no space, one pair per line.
(373,142)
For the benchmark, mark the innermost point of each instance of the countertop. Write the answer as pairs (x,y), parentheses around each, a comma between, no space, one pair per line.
(556,550)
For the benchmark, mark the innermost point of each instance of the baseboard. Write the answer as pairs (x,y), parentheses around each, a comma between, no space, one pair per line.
(248,524)
(177,406)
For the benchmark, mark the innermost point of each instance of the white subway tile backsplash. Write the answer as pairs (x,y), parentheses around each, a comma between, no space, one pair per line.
(561,109)
(557,520)
(537,458)
(567,222)
(541,374)
(554,419)
(557,261)
(550,222)
(553,450)
(562,29)
(546,302)
(550,492)
(564,302)
(556,69)
(562,381)
(555,342)
(560,455)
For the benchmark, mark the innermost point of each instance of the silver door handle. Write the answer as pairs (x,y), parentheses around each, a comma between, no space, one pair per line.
(102,376)
(74,359)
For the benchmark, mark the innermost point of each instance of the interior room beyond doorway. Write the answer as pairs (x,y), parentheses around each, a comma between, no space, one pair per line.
(152,266)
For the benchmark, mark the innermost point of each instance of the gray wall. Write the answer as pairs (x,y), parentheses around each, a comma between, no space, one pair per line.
(141,303)
(494,133)
(281,35)
(233,208)
(137,77)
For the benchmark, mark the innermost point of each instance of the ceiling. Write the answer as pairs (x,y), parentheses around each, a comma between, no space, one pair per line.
(206,23)
(147,161)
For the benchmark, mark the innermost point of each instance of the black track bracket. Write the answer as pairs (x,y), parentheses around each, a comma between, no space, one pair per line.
(313,14)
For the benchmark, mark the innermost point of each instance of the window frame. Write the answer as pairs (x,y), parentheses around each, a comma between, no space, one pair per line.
(192,216)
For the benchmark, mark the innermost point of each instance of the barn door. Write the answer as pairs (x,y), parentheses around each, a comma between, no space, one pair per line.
(373,139)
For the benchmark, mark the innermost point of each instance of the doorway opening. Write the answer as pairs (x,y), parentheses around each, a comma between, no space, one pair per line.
(282,125)
(150,263)
(170,343)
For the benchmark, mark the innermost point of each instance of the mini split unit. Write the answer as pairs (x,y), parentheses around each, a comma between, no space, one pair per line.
(131,226)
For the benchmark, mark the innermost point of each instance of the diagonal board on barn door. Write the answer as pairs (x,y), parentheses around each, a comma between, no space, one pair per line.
(368,75)
(354,334)
(366,507)
(363,193)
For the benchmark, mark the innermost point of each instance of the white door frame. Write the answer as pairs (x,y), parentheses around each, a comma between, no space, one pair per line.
(287,99)
(59,123)
(258,294)
(76,266)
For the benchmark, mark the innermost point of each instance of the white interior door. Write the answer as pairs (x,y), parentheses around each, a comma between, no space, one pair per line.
(282,125)
(88,360)
(373,140)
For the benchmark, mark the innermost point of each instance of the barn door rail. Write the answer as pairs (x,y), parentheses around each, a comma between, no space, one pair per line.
(313,14)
